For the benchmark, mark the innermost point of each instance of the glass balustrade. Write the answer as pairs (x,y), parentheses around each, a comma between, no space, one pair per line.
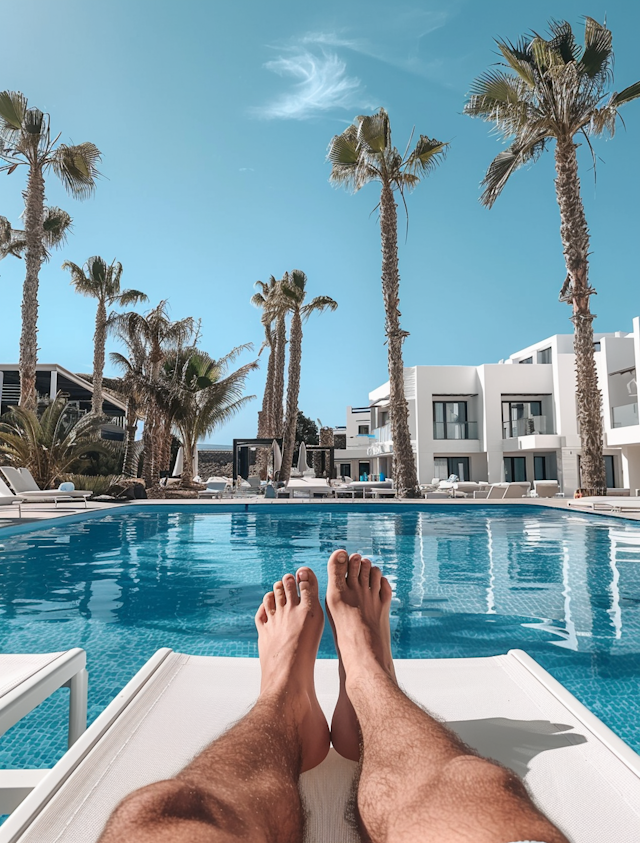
(455,430)
(624,416)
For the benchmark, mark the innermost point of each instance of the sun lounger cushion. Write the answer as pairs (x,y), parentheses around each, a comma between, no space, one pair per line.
(580,774)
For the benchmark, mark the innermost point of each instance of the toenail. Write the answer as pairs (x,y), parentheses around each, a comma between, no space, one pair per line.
(303,575)
(342,556)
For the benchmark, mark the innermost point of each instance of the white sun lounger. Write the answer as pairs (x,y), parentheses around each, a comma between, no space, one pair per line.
(26,487)
(26,680)
(583,776)
(607,504)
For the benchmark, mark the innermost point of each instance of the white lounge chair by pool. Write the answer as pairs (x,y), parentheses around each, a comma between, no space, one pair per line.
(606,504)
(507,707)
(26,680)
(503,491)
(308,486)
(7,497)
(24,485)
(546,488)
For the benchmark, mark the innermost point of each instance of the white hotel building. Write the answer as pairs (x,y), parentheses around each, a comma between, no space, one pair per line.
(514,420)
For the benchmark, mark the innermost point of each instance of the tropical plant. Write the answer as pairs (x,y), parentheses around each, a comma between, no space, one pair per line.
(98,484)
(554,90)
(101,281)
(270,417)
(361,154)
(292,295)
(306,430)
(56,224)
(131,385)
(50,445)
(200,394)
(25,140)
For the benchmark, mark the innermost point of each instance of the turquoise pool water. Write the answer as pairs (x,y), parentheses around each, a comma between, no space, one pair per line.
(468,581)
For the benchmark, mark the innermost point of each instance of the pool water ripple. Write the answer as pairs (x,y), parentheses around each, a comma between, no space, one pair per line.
(467,582)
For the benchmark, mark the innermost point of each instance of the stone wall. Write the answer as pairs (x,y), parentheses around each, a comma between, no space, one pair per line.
(215,464)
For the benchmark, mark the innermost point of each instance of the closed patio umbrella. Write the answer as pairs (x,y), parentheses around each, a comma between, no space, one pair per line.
(179,463)
(277,457)
(302,459)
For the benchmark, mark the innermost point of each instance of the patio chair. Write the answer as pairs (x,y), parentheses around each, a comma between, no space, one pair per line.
(8,498)
(215,489)
(24,485)
(546,488)
(585,778)
(26,680)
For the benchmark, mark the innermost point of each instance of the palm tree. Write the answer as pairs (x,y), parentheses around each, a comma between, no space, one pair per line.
(49,446)
(125,327)
(55,225)
(101,281)
(554,90)
(361,154)
(203,395)
(292,295)
(25,139)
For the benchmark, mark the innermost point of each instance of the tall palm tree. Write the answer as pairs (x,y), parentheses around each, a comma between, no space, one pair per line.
(25,140)
(203,394)
(292,295)
(131,387)
(554,90)
(268,291)
(361,154)
(101,281)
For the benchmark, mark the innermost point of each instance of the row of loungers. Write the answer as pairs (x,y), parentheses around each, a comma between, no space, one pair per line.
(24,489)
(507,707)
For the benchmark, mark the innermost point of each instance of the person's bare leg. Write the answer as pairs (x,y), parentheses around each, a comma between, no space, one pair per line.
(418,781)
(345,729)
(244,786)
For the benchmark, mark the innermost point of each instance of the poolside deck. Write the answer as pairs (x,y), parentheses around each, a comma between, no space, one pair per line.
(33,513)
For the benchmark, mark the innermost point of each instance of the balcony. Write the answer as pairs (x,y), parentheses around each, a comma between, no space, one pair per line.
(383,434)
(624,416)
(455,430)
(532,426)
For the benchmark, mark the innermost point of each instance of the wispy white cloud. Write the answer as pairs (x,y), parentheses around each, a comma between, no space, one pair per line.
(321,85)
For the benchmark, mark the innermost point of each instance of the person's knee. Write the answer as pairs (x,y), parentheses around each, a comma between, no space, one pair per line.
(473,775)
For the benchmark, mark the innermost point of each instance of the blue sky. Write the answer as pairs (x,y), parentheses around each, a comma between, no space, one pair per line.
(214,119)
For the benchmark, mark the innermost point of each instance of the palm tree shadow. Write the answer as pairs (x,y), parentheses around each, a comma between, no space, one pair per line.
(513,743)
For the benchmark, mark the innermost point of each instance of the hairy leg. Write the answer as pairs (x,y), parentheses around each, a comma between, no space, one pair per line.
(418,781)
(244,786)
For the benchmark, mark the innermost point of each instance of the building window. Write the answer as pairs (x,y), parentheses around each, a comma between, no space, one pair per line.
(597,346)
(526,360)
(364,470)
(515,469)
(345,469)
(544,355)
(363,430)
(450,421)
(384,418)
(444,467)
(522,418)
(609,466)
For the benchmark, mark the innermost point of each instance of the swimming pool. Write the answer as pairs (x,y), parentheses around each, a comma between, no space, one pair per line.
(468,581)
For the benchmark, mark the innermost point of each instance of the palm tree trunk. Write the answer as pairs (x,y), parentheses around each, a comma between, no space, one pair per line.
(265,416)
(187,466)
(293,390)
(33,224)
(575,243)
(404,466)
(99,344)
(278,377)
(129,462)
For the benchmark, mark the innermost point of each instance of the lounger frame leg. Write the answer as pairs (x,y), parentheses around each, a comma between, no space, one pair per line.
(78,688)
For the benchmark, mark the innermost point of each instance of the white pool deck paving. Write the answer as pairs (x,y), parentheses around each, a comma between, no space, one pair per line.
(34,514)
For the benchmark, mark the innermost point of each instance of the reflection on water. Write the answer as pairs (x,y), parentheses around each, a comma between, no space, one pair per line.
(467,582)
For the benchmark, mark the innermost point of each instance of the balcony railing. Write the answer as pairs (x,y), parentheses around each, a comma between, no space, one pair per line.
(383,434)
(624,416)
(526,427)
(455,430)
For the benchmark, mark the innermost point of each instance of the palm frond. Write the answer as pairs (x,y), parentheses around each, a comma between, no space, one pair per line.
(505,164)
(563,41)
(426,156)
(344,156)
(597,56)
(318,305)
(56,224)
(76,167)
(13,106)
(628,94)
(127,297)
(374,131)
(519,59)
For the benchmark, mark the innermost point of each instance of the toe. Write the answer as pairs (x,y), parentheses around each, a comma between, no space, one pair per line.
(337,568)
(269,602)
(365,571)
(290,589)
(308,584)
(375,579)
(386,592)
(261,616)
(278,590)
(353,568)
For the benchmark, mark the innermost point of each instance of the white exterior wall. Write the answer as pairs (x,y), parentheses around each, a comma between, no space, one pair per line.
(485,387)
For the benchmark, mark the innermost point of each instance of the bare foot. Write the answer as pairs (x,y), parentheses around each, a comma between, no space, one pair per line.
(361,598)
(289,631)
